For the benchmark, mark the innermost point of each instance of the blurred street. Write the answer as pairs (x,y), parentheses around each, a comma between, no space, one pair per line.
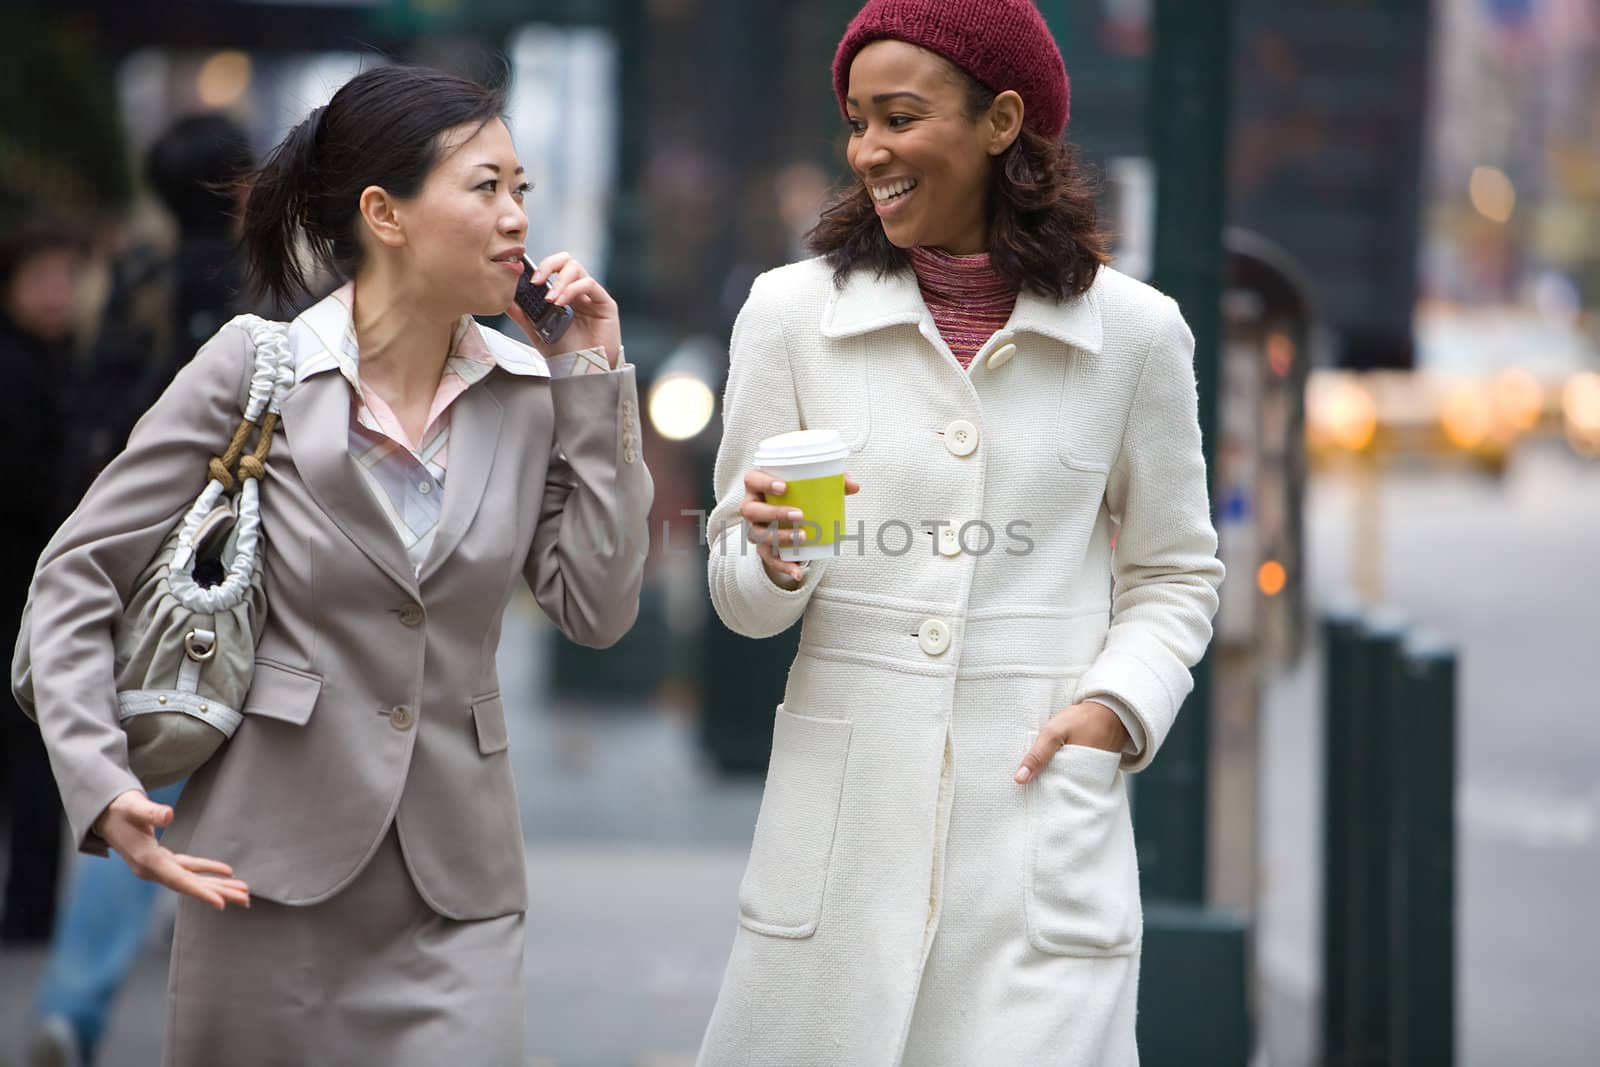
(1507,572)
(635,849)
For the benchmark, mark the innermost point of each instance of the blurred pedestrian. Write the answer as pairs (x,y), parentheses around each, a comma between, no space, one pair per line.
(166,300)
(164,304)
(41,262)
(362,818)
(913,895)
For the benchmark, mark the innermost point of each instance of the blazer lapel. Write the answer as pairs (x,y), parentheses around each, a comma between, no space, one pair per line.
(474,441)
(316,423)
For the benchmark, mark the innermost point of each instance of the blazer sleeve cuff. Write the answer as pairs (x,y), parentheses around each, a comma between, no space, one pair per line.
(584,361)
(85,800)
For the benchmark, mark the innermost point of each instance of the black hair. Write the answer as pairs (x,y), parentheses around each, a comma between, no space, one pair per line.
(383,127)
(195,165)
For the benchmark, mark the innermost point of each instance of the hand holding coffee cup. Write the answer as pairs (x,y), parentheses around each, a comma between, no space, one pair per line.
(794,500)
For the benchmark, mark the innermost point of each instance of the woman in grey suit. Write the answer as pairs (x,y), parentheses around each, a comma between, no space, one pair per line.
(351,862)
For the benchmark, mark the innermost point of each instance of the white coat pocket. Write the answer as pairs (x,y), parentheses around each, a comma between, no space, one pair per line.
(781,894)
(1081,878)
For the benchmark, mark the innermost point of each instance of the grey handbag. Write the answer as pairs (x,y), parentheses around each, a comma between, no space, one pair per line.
(186,640)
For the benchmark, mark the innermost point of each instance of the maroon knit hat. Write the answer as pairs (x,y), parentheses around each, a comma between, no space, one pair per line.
(1004,44)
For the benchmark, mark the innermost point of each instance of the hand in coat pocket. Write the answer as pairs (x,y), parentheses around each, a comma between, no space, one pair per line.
(1089,724)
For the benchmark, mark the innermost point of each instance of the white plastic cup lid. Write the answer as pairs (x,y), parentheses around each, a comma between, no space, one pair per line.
(801,446)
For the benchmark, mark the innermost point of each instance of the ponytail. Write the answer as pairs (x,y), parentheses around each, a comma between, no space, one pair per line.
(383,127)
(276,216)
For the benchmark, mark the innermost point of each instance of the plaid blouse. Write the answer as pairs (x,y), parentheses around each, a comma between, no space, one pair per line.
(408,477)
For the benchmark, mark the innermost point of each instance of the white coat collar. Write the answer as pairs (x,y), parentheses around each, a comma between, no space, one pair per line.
(868,303)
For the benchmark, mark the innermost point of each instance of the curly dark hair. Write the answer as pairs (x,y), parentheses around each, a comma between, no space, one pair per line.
(1043,218)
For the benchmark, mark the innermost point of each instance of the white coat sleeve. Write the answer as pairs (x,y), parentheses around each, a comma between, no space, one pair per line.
(1165,569)
(759,401)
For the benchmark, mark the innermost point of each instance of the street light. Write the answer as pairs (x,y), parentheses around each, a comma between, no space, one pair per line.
(1340,413)
(682,398)
(1580,405)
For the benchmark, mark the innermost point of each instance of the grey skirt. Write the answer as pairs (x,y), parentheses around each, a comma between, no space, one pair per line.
(372,976)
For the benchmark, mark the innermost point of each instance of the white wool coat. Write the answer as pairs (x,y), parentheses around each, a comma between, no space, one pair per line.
(906,902)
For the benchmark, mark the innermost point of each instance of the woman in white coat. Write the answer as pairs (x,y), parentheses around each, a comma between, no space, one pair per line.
(943,872)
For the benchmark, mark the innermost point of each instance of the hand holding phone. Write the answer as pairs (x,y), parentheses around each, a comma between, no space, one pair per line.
(560,293)
(549,320)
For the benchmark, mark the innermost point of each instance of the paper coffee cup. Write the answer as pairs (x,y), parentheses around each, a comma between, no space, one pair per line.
(812,463)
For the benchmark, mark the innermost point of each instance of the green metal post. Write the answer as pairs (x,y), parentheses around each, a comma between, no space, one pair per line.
(1189,102)
(1341,646)
(1193,1010)
(1194,991)
(1422,961)
(1371,739)
(627,263)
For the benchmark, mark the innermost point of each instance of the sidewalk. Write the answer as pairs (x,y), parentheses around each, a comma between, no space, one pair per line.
(635,851)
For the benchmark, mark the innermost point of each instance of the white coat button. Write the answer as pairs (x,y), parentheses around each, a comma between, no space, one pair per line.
(961,437)
(934,636)
(1001,356)
(949,541)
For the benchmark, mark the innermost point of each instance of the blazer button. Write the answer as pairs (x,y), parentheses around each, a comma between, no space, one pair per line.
(934,636)
(1001,356)
(401,718)
(961,437)
(411,615)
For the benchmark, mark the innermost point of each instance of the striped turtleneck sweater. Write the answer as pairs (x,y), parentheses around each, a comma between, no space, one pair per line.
(969,299)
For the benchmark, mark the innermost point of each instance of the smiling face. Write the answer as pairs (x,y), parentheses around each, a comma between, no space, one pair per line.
(927,163)
(461,237)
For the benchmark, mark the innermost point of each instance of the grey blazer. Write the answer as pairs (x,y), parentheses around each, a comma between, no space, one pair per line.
(375,697)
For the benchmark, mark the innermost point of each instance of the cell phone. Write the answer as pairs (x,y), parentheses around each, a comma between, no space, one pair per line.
(549,321)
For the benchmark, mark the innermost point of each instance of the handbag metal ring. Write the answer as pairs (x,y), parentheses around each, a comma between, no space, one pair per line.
(196,651)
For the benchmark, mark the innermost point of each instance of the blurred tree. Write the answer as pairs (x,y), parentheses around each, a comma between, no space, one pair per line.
(61,142)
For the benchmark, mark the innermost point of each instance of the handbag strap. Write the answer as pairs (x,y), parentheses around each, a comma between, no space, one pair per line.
(269,383)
